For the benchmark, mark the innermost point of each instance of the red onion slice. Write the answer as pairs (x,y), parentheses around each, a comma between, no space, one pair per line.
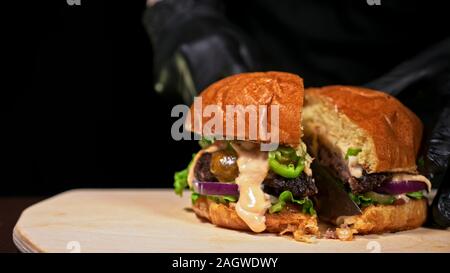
(399,187)
(216,188)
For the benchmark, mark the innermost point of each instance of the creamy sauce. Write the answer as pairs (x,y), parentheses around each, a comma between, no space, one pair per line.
(253,203)
(412,177)
(355,169)
(307,168)
(301,152)
(402,196)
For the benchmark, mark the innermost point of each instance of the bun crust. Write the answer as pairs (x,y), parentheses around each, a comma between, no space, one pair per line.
(389,218)
(394,130)
(256,89)
(376,219)
(290,220)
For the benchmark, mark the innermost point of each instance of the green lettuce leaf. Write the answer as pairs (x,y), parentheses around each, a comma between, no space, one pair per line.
(223,199)
(370,198)
(180,183)
(415,194)
(194,197)
(286,196)
(206,142)
(361,200)
(180,179)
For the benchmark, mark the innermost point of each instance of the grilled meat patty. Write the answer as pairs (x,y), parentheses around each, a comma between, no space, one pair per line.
(365,183)
(274,184)
(368,182)
(202,170)
(300,186)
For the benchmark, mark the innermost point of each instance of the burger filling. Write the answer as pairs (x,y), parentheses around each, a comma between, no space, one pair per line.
(224,166)
(371,188)
(257,181)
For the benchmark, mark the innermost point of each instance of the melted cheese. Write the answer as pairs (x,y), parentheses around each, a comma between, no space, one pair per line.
(412,177)
(253,203)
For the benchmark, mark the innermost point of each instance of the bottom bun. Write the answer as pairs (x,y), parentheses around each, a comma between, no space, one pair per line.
(290,220)
(388,218)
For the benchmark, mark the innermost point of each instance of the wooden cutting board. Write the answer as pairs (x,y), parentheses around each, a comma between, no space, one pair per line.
(160,221)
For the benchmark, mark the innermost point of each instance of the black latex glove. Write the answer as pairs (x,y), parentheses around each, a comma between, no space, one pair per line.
(438,155)
(432,65)
(194,45)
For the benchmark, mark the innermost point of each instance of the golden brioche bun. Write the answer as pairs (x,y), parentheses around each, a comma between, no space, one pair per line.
(347,116)
(389,218)
(257,89)
(289,220)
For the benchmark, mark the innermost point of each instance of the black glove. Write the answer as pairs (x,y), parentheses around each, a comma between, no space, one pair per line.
(438,156)
(432,66)
(194,45)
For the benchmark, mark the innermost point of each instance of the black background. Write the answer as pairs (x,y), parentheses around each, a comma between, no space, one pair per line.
(77,105)
(77,102)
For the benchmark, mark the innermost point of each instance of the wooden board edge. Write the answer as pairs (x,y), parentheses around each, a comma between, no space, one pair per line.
(23,244)
(20,245)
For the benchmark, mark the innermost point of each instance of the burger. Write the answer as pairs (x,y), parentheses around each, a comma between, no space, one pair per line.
(236,184)
(369,142)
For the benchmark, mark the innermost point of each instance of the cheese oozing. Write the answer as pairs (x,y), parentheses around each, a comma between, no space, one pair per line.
(253,202)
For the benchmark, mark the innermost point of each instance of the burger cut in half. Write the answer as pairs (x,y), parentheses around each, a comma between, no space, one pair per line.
(234,184)
(369,141)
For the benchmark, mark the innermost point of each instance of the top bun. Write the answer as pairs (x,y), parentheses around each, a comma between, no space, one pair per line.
(386,130)
(256,89)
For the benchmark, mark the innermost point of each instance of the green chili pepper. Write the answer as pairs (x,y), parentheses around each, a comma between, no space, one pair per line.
(352,152)
(288,151)
(286,155)
(289,170)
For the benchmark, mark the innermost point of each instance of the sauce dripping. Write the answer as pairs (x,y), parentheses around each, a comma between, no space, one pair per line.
(253,202)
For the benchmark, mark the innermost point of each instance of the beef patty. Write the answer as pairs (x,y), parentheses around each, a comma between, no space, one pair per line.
(274,184)
(202,170)
(300,186)
(335,162)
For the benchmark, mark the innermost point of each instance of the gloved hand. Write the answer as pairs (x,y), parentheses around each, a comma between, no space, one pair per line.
(433,66)
(438,157)
(194,45)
